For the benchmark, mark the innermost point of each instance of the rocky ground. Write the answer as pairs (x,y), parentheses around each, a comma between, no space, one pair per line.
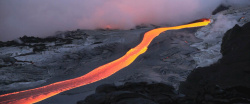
(231,70)
(159,93)
(225,82)
(30,62)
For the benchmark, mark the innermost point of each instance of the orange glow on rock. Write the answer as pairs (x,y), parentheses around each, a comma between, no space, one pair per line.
(108,27)
(104,71)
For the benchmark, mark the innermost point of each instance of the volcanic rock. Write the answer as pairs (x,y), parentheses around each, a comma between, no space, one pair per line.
(225,82)
(158,93)
(219,9)
(232,70)
(132,93)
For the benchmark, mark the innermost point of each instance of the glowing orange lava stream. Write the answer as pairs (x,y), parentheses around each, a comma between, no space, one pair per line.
(104,71)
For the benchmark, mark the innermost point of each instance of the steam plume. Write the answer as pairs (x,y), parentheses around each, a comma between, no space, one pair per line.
(44,17)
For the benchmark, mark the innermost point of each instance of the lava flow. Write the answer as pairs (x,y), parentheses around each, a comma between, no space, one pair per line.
(104,71)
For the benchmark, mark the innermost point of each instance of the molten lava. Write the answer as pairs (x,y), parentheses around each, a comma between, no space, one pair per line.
(104,71)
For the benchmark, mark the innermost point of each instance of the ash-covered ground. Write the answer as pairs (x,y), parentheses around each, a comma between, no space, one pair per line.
(30,62)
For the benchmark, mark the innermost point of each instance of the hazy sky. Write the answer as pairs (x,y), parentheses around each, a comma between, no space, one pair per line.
(44,17)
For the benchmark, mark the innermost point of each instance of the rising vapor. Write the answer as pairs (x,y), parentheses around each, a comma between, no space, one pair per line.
(44,17)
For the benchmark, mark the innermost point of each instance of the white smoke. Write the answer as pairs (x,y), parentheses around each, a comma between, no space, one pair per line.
(44,17)
(236,3)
